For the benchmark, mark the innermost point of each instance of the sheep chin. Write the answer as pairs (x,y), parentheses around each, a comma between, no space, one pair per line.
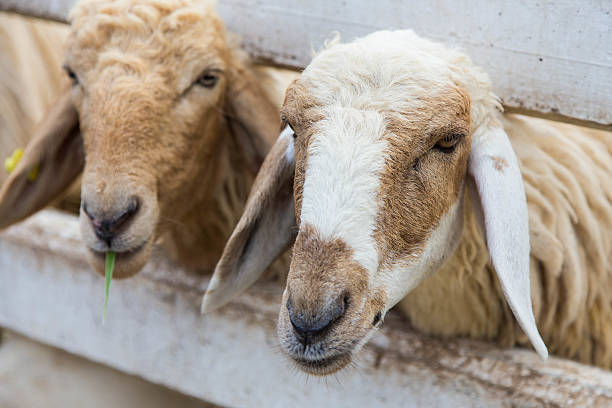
(324,366)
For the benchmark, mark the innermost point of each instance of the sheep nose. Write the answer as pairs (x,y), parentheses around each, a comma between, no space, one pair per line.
(106,227)
(307,326)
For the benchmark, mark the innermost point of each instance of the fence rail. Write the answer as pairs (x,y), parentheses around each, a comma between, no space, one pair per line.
(154,329)
(548,58)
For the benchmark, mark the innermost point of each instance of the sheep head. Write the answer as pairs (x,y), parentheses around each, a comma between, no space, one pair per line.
(158,92)
(381,138)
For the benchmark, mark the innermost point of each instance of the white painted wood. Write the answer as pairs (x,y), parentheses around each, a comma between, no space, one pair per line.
(546,57)
(56,10)
(154,329)
(34,375)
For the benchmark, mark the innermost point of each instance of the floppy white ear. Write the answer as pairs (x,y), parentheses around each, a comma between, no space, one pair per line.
(265,230)
(502,208)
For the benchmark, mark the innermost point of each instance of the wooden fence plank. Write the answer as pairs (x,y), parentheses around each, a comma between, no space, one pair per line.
(56,10)
(154,329)
(551,58)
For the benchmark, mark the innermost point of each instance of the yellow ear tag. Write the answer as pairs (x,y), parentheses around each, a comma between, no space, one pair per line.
(10,163)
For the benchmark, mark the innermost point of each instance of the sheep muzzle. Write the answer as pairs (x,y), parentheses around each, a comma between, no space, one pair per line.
(328,307)
(119,215)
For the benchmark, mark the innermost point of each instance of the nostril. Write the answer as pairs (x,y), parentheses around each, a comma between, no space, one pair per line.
(133,206)
(299,330)
(114,224)
(106,228)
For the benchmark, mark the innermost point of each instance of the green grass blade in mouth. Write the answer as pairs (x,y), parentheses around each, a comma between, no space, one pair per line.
(110,265)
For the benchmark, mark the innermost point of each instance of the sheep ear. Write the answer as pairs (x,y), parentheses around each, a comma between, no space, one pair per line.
(265,230)
(499,197)
(51,162)
(252,116)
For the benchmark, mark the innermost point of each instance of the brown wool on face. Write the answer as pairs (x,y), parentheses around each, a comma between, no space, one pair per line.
(420,183)
(322,270)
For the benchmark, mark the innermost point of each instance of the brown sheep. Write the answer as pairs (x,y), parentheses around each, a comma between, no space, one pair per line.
(168,122)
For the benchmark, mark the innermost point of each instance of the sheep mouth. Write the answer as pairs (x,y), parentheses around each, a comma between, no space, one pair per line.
(127,263)
(122,256)
(323,366)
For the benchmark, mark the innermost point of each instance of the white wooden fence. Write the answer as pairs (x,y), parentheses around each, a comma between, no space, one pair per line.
(154,329)
(547,58)
(551,58)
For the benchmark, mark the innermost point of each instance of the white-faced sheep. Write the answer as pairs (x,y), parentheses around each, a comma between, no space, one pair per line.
(381,159)
(167,120)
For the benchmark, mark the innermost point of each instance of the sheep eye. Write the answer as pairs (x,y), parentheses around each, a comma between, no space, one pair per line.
(285,123)
(294,134)
(448,143)
(208,80)
(377,319)
(71,75)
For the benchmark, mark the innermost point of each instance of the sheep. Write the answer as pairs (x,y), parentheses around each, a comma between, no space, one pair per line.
(168,122)
(384,140)
(31,78)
